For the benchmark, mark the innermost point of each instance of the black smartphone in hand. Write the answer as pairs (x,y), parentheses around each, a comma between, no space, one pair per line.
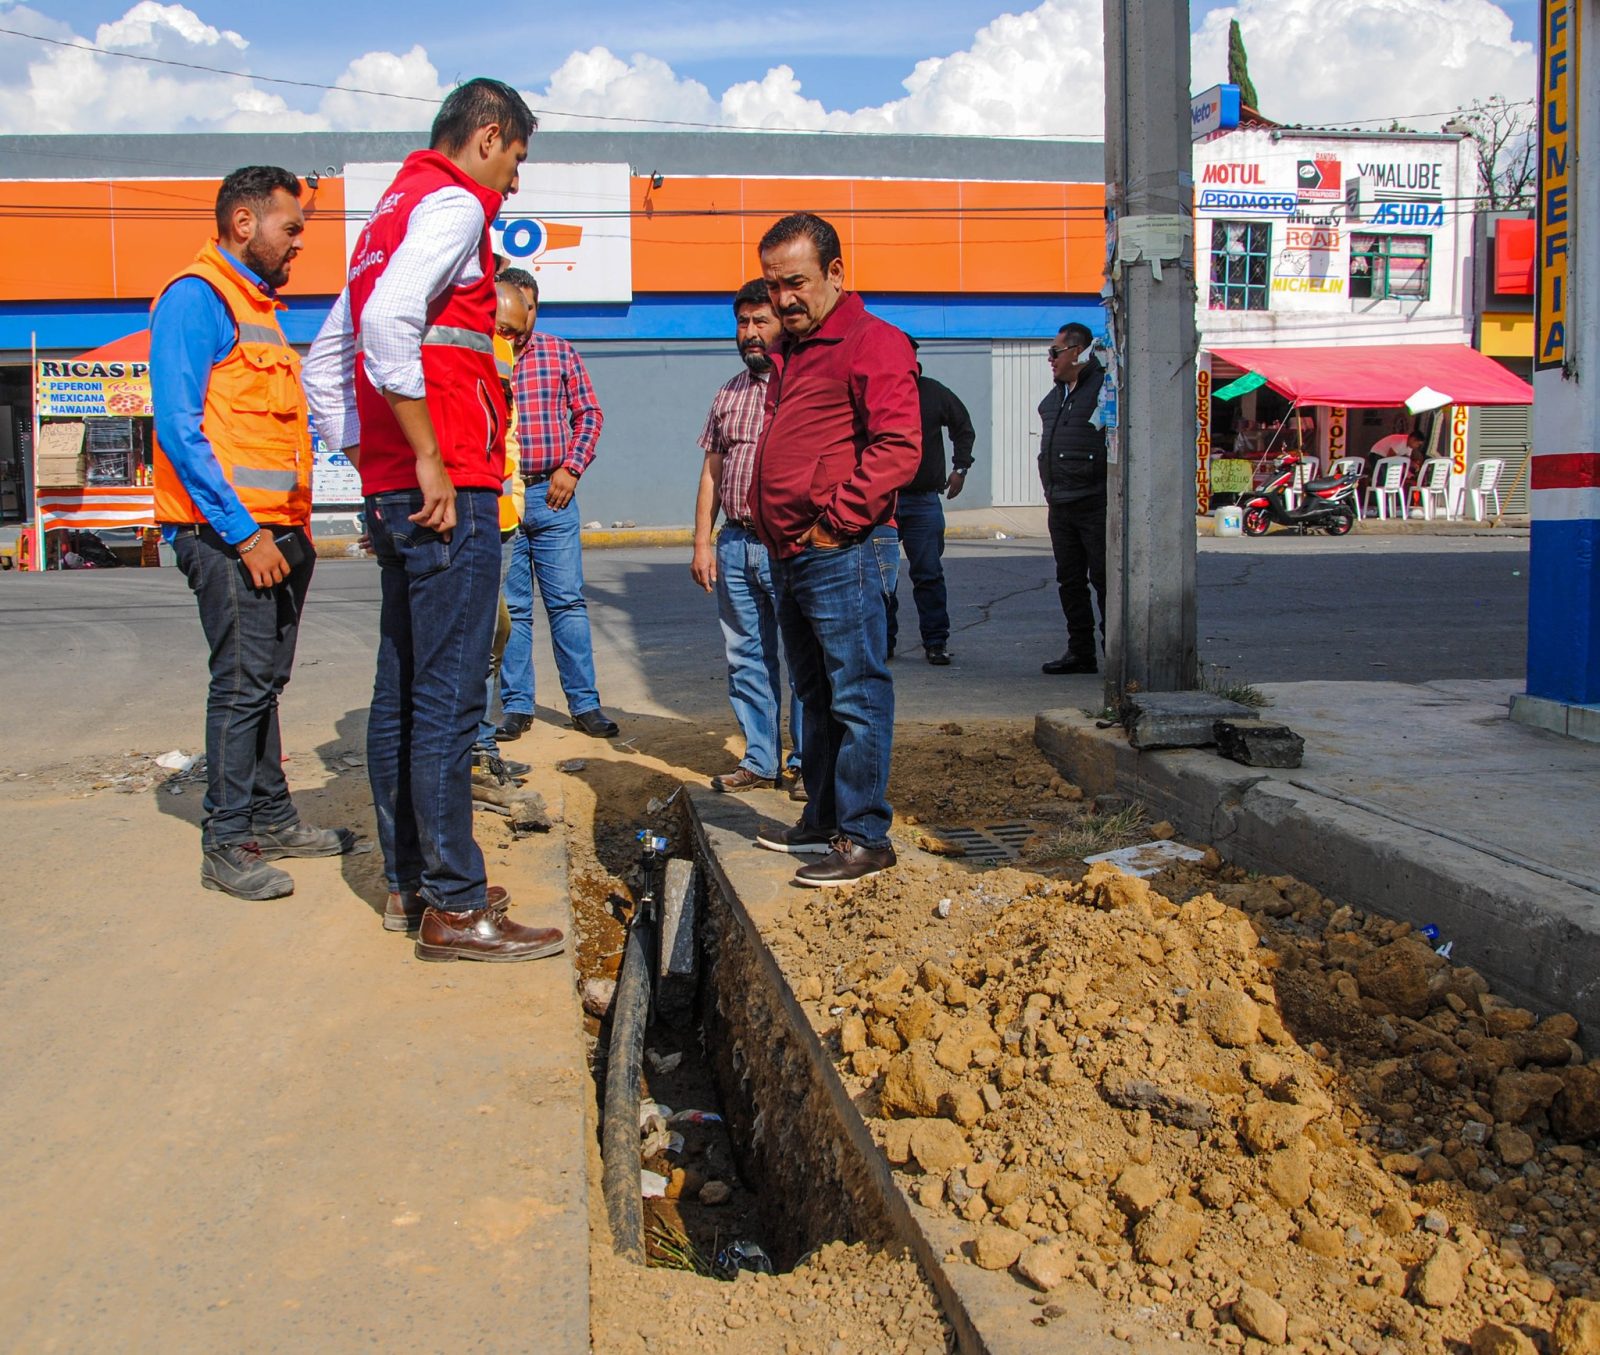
(291,545)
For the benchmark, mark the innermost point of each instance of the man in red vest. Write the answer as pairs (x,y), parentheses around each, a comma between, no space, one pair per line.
(233,495)
(404,368)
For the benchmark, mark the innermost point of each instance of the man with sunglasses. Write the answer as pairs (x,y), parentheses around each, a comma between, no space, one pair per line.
(1072,468)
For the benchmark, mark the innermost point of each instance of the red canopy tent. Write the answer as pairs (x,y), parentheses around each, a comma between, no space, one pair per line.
(129,348)
(1381,375)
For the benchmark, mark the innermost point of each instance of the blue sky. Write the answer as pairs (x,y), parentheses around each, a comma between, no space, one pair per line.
(846,53)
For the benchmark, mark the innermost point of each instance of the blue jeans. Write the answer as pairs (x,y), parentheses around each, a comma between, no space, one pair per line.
(252,637)
(920,517)
(833,610)
(748,610)
(548,547)
(435,628)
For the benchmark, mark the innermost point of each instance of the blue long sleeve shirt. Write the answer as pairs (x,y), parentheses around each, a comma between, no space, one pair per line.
(192,331)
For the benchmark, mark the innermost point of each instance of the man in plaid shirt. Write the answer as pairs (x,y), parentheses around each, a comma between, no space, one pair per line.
(558,424)
(737,568)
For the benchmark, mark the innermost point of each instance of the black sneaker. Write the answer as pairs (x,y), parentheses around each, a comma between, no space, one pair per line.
(1069,663)
(238,869)
(797,840)
(301,839)
(845,864)
(938,655)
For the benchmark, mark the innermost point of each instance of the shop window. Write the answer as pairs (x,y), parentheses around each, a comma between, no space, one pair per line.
(1384,266)
(1240,271)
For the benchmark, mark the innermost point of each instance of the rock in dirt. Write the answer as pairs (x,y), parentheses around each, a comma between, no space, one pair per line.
(1577,1329)
(937,1146)
(1266,1125)
(1258,1314)
(1168,1233)
(1513,1145)
(1575,1112)
(1178,1108)
(1495,1338)
(1044,1265)
(997,1247)
(597,995)
(963,1105)
(912,1085)
(715,1193)
(1440,1278)
(1137,1190)
(1518,1095)
(1230,1018)
(1005,1187)
(1397,976)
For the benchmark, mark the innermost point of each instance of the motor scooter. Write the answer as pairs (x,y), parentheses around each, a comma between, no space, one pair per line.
(1327,505)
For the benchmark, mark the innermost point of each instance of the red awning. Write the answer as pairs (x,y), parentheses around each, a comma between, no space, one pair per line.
(133,347)
(1382,375)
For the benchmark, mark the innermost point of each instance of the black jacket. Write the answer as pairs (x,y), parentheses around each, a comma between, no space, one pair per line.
(1072,451)
(941,409)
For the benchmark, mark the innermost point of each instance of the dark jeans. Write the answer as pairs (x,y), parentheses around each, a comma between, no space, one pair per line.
(1078,538)
(252,637)
(920,518)
(833,612)
(435,628)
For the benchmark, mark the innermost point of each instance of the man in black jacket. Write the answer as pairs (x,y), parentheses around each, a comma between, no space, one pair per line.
(920,514)
(1072,467)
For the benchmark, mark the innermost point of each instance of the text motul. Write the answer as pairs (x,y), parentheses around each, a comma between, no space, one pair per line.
(1232,174)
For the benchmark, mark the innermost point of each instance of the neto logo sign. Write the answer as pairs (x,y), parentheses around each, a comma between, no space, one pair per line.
(526,238)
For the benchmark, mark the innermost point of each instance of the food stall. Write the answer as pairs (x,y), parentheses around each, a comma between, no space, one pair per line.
(1329,403)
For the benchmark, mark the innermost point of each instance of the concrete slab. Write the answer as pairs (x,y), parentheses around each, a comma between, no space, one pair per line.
(992,1313)
(1178,719)
(1424,803)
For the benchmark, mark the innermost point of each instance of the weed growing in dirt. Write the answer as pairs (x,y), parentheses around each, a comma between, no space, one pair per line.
(1215,679)
(670,1248)
(1091,834)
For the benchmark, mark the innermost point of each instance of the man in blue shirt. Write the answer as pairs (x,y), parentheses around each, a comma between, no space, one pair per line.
(233,494)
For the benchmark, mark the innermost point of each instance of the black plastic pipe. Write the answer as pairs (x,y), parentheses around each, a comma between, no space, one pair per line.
(619,1140)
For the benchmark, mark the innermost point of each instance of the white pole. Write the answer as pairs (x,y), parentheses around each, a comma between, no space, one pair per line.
(38,521)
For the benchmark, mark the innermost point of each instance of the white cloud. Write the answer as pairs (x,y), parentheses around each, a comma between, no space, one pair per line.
(1038,71)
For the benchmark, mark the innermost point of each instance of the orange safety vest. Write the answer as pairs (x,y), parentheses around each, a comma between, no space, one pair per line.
(255,414)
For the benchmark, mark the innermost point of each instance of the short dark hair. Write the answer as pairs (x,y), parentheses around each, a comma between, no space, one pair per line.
(477,104)
(252,186)
(519,277)
(812,228)
(1077,333)
(753,293)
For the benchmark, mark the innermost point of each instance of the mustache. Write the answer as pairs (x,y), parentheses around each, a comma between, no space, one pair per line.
(750,344)
(796,309)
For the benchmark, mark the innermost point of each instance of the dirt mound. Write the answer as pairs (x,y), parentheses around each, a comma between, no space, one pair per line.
(1223,1102)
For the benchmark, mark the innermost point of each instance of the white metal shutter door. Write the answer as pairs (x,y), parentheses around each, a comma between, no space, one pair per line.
(1021,379)
(1505,431)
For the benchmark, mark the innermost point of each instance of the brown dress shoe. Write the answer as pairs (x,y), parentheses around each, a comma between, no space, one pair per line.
(483,934)
(403,912)
(742,779)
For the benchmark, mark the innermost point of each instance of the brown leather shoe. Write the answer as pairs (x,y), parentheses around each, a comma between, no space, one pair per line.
(484,934)
(742,779)
(403,912)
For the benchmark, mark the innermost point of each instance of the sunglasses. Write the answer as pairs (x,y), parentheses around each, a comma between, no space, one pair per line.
(1053,352)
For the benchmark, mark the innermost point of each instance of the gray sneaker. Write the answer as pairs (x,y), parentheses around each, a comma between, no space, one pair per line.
(301,839)
(238,869)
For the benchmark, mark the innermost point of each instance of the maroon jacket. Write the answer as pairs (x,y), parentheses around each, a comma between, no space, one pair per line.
(843,429)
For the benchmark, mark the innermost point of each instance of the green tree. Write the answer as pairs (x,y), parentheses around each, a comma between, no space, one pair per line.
(1239,67)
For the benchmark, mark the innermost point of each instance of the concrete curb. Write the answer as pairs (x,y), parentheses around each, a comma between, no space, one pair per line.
(1534,933)
(992,1312)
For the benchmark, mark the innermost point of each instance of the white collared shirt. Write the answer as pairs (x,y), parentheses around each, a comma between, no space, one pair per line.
(440,251)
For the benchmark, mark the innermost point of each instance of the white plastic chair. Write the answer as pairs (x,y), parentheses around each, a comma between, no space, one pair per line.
(1348,465)
(1483,482)
(1302,471)
(1389,483)
(1433,483)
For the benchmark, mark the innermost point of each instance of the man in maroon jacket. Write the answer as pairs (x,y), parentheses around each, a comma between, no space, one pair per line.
(842,435)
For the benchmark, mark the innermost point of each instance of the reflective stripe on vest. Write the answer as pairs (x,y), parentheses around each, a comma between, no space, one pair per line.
(450,336)
(249,333)
(257,477)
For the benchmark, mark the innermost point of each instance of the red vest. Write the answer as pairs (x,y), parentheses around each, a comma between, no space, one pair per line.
(458,366)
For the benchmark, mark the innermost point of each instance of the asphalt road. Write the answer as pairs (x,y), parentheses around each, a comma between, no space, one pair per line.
(85,652)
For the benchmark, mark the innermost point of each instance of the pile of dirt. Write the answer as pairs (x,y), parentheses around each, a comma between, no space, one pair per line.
(1230,1106)
(975,773)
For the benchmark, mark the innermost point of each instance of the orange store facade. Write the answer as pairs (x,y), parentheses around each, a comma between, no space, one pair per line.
(979,249)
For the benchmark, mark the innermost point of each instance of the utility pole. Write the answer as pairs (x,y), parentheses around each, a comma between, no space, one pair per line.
(1150,530)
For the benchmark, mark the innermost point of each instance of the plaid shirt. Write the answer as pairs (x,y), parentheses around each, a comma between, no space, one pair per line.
(733,428)
(558,418)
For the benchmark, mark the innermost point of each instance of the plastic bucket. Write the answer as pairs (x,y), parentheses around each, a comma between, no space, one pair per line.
(1228,522)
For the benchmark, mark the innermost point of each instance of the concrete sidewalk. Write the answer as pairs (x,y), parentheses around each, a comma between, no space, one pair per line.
(1424,803)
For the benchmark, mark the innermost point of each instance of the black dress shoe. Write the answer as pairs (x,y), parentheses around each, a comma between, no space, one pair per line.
(938,655)
(1067,663)
(596,723)
(514,726)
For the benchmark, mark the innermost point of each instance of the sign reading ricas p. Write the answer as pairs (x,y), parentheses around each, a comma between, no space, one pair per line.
(1558,149)
(1216,110)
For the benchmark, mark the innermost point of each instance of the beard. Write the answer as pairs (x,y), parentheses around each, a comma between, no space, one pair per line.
(756,359)
(272,271)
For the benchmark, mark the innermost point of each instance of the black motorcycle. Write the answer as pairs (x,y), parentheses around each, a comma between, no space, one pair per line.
(1327,505)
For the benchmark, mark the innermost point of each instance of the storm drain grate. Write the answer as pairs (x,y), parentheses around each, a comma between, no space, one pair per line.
(1003,840)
